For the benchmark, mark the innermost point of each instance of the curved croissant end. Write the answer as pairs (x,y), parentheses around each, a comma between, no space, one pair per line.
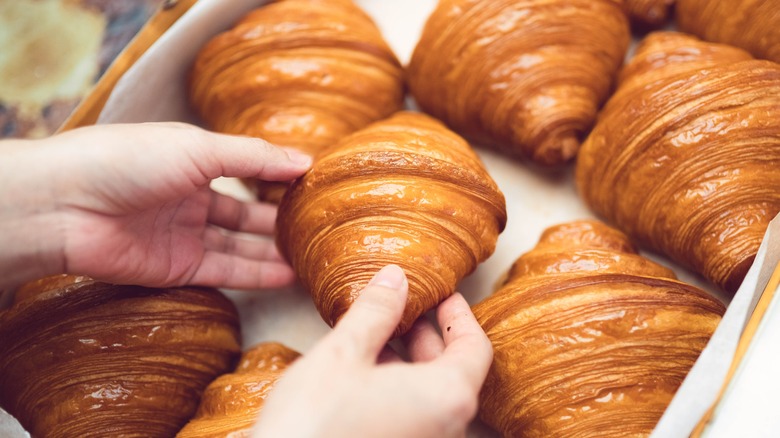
(525,76)
(686,155)
(405,191)
(753,25)
(84,358)
(649,13)
(297,73)
(589,338)
(231,404)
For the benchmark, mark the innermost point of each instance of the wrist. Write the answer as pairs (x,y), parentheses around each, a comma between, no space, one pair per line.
(30,233)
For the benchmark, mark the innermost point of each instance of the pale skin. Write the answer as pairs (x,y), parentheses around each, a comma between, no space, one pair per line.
(132,204)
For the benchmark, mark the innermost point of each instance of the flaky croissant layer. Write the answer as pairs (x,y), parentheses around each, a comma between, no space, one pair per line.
(231,404)
(525,76)
(686,155)
(590,338)
(88,359)
(297,73)
(403,191)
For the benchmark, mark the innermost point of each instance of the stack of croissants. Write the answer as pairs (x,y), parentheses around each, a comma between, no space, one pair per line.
(678,150)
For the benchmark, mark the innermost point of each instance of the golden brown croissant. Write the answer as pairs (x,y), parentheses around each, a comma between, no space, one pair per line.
(652,13)
(231,403)
(300,73)
(685,157)
(405,191)
(753,25)
(526,76)
(590,338)
(83,358)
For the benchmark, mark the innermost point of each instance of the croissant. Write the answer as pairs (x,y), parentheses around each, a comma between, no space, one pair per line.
(649,13)
(753,25)
(405,191)
(83,358)
(300,73)
(525,76)
(231,403)
(685,157)
(590,338)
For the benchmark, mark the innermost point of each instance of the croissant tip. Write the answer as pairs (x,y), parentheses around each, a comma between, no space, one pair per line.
(557,149)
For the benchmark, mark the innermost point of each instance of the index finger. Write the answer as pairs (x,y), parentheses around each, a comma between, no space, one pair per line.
(467,347)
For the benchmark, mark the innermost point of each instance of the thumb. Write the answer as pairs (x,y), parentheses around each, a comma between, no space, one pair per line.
(371,320)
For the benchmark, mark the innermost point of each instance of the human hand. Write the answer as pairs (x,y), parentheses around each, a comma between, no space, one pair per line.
(132,204)
(348,385)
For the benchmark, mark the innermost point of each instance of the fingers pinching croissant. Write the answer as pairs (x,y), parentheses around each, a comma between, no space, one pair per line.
(404,191)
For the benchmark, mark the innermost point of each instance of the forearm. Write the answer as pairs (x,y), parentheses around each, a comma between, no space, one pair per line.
(30,235)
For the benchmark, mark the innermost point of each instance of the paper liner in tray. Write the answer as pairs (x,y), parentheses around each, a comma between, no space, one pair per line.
(154,89)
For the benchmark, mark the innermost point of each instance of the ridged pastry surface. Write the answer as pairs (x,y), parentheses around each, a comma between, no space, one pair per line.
(753,25)
(685,157)
(88,359)
(590,338)
(298,73)
(525,76)
(231,404)
(405,191)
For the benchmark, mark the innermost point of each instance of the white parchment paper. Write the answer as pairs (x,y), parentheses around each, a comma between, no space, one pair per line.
(155,90)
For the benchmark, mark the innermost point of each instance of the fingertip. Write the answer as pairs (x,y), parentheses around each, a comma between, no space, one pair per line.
(391,277)
(374,315)
(301,159)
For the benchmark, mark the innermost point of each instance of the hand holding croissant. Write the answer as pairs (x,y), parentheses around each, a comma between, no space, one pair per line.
(132,204)
(348,371)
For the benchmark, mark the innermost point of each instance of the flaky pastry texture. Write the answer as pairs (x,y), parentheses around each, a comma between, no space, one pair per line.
(297,73)
(590,338)
(753,25)
(231,404)
(685,157)
(524,76)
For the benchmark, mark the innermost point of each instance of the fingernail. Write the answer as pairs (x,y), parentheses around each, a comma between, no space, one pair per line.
(391,277)
(299,157)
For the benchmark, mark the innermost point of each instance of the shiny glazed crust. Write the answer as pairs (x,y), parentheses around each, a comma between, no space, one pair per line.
(405,191)
(230,405)
(525,76)
(686,155)
(590,338)
(753,25)
(299,73)
(90,359)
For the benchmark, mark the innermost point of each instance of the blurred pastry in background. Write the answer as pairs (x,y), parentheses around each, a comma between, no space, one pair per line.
(231,404)
(404,191)
(753,25)
(85,358)
(649,13)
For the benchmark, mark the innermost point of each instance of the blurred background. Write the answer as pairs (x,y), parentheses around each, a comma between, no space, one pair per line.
(53,51)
